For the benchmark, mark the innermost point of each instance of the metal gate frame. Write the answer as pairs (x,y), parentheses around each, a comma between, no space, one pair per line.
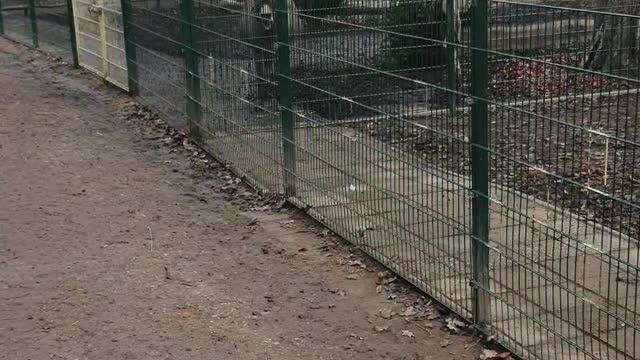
(100,39)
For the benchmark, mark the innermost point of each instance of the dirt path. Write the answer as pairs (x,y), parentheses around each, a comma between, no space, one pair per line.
(115,243)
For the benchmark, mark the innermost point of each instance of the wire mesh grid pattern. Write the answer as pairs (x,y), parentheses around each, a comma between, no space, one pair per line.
(44,24)
(496,188)
(485,150)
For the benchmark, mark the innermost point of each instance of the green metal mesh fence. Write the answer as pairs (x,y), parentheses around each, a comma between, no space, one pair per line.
(15,19)
(44,24)
(483,150)
(564,115)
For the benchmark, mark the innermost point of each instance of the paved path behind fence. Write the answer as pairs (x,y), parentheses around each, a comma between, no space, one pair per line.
(553,278)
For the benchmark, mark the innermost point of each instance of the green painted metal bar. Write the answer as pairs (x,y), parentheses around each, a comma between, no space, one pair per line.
(452,52)
(1,20)
(480,161)
(194,107)
(130,48)
(361,124)
(72,34)
(284,92)
(34,25)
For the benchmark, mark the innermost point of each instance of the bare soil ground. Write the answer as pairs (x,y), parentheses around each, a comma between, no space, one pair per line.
(119,240)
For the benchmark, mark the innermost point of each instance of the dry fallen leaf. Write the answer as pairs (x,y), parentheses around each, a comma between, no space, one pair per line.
(383,277)
(454,324)
(338,292)
(445,343)
(488,354)
(261,208)
(433,314)
(382,328)
(409,311)
(352,277)
(407,333)
(379,289)
(389,280)
(354,263)
(287,223)
(386,313)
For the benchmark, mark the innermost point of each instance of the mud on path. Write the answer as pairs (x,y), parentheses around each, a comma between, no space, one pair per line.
(116,242)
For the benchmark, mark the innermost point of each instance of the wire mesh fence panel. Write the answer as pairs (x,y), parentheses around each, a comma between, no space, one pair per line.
(199,63)
(45,24)
(155,52)
(563,138)
(100,39)
(373,129)
(54,28)
(16,20)
(484,150)
(235,45)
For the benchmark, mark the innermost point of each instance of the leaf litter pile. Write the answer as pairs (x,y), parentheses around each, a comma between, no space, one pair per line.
(513,79)
(234,189)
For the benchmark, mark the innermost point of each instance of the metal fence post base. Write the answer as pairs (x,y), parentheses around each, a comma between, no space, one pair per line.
(191,58)
(72,34)
(480,162)
(1,20)
(130,48)
(34,25)
(284,92)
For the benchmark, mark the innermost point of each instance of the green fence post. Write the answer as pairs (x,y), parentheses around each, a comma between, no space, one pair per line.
(72,33)
(190,46)
(452,52)
(34,25)
(1,22)
(284,95)
(480,162)
(130,47)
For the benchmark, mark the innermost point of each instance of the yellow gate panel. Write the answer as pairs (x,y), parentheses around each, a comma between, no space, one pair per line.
(100,39)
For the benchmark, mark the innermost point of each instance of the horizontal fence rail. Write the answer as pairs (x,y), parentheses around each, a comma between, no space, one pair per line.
(44,24)
(485,150)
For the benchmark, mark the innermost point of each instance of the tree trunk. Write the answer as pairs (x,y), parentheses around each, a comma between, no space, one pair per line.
(615,43)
